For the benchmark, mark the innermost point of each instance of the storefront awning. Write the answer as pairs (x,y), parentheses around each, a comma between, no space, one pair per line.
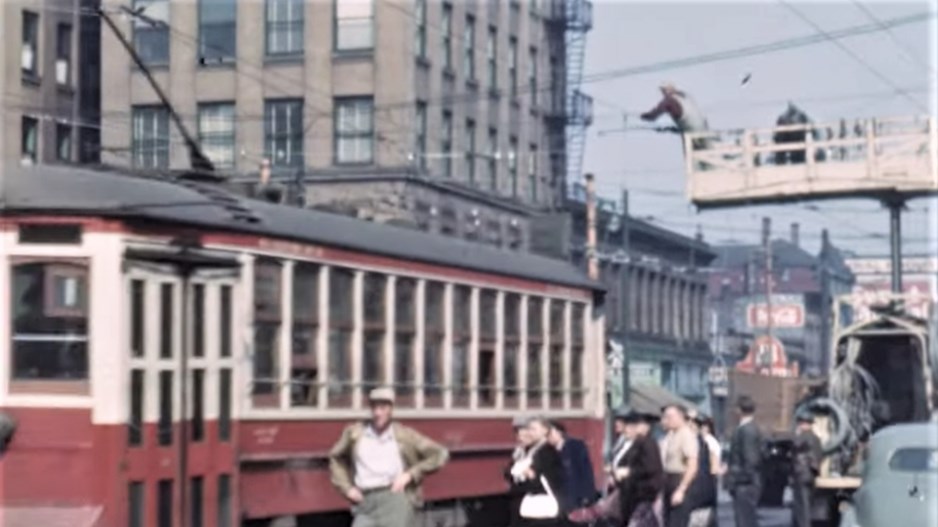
(49,516)
(649,398)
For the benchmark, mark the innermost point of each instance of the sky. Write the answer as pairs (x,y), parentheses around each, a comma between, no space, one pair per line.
(824,80)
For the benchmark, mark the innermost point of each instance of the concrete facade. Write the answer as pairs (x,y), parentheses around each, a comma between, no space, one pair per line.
(400,81)
(43,86)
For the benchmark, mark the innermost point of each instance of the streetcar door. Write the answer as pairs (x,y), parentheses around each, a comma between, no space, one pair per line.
(181,324)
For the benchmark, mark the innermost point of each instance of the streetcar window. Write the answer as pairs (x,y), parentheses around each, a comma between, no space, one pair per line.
(137,320)
(224,404)
(488,335)
(535,345)
(226,322)
(435,334)
(196,511)
(135,491)
(462,336)
(224,501)
(267,318)
(341,323)
(576,355)
(135,425)
(304,368)
(166,321)
(198,320)
(374,304)
(50,233)
(198,405)
(555,355)
(50,322)
(164,509)
(164,430)
(405,327)
(512,317)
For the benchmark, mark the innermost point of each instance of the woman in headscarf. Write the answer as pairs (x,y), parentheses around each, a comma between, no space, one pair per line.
(639,474)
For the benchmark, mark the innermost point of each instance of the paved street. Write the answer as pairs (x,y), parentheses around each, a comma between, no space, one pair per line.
(769,517)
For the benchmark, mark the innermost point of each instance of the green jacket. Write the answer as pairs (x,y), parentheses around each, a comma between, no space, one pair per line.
(420,454)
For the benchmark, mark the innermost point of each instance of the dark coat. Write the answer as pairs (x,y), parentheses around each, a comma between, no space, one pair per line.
(703,489)
(806,461)
(646,475)
(546,462)
(745,460)
(580,488)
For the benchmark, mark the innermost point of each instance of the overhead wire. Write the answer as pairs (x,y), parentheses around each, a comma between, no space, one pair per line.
(909,55)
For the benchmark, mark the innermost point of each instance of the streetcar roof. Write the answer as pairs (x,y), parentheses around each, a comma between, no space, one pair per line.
(110,192)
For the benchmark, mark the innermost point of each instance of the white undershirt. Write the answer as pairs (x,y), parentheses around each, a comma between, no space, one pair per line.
(377,459)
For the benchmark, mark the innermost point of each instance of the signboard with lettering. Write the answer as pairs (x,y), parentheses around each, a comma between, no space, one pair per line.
(787,312)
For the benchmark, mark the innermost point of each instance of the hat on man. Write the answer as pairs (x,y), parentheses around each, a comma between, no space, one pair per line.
(668,87)
(520,421)
(383,395)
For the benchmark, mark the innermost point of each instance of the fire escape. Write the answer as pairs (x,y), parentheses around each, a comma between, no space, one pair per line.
(571,109)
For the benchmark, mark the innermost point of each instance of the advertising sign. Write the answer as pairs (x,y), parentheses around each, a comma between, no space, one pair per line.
(787,312)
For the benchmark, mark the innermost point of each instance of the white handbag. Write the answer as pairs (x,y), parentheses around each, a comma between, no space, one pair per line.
(540,506)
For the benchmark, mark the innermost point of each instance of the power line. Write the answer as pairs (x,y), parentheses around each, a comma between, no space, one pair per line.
(899,45)
(859,59)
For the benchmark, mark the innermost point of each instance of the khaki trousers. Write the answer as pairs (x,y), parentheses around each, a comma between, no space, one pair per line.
(383,508)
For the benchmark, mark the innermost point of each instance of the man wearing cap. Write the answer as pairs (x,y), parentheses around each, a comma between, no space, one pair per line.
(378,466)
(806,462)
(683,111)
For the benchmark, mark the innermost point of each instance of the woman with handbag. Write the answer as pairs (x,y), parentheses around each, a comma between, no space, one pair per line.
(639,474)
(537,479)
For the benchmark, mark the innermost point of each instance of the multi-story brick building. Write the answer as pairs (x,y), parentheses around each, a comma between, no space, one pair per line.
(49,79)
(445,115)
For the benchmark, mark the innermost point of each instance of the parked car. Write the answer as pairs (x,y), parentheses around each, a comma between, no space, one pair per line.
(900,480)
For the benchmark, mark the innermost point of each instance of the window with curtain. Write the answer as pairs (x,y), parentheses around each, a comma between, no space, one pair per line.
(354,130)
(284,24)
(29,140)
(283,131)
(217,31)
(354,25)
(29,49)
(150,137)
(217,133)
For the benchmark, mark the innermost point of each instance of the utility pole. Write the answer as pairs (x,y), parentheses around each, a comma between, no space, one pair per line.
(625,316)
(767,248)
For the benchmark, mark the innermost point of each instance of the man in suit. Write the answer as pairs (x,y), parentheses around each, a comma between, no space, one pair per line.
(805,468)
(578,469)
(743,479)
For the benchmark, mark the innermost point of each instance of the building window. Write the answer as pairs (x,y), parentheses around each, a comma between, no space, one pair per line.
(341,326)
(164,426)
(63,142)
(434,342)
(354,25)
(164,508)
(224,404)
(49,307)
(511,348)
(267,320)
(196,495)
(217,133)
(469,49)
(513,165)
(488,339)
(578,344)
(354,130)
(491,52)
(30,46)
(446,143)
(217,31)
(555,354)
(421,146)
(150,141)
(304,370)
(224,501)
(513,66)
(137,320)
(63,55)
(136,505)
(135,423)
(532,75)
(167,336)
(535,346)
(375,289)
(447,32)
(532,172)
(198,405)
(284,132)
(471,151)
(405,328)
(151,40)
(29,150)
(225,322)
(198,320)
(462,339)
(284,27)
(492,161)
(420,38)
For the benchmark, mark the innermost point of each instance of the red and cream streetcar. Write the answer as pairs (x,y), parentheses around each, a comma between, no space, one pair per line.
(131,409)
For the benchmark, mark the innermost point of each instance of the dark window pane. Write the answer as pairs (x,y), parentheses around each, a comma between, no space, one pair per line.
(136,506)
(486,393)
(433,344)
(340,297)
(510,367)
(266,352)
(404,307)
(198,405)
(555,375)
(535,318)
(196,496)
(226,323)
(267,284)
(137,324)
(224,405)
(217,34)
(30,44)
(306,293)
(164,509)
(340,368)
(354,130)
(152,41)
(51,233)
(50,321)
(375,289)
(29,140)
(164,431)
(404,366)
(487,301)
(166,321)
(373,360)
(224,501)
(535,376)
(198,320)
(284,132)
(135,424)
